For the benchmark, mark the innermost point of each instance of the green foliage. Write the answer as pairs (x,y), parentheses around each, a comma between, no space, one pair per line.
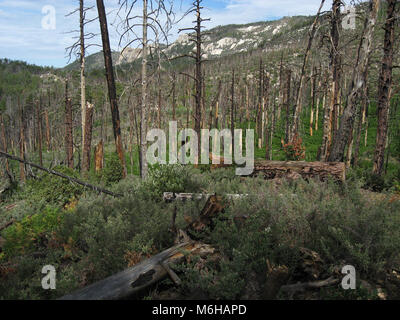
(113,170)
(31,232)
(170,178)
(52,189)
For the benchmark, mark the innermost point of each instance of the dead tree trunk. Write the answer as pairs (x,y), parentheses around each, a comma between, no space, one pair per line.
(85,161)
(112,93)
(298,106)
(39,129)
(99,156)
(287,103)
(61,175)
(344,133)
(330,111)
(295,169)
(4,140)
(384,89)
(21,142)
(88,135)
(69,138)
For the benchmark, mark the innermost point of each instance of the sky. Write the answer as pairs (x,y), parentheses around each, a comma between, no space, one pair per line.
(39,31)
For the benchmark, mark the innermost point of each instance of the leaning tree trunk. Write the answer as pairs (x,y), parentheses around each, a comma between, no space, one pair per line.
(112,93)
(385,83)
(343,135)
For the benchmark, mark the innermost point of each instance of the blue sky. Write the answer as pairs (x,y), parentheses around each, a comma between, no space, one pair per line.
(22,36)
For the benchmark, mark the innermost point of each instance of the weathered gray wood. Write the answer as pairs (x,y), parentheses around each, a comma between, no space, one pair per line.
(132,280)
(171,196)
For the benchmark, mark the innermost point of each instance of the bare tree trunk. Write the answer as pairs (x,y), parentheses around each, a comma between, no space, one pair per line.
(384,89)
(143,110)
(69,138)
(39,126)
(344,133)
(287,103)
(232,110)
(330,112)
(21,142)
(297,108)
(174,97)
(4,140)
(111,83)
(88,135)
(99,156)
(48,135)
(85,161)
(214,103)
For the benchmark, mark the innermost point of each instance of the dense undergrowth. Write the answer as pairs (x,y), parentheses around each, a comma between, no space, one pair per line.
(90,239)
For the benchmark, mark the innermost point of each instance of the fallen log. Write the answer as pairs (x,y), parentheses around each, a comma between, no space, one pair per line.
(171,196)
(306,170)
(82,183)
(291,289)
(131,281)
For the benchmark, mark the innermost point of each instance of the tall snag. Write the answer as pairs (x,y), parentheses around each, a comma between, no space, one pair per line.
(112,93)
(384,89)
(69,140)
(344,134)
(330,110)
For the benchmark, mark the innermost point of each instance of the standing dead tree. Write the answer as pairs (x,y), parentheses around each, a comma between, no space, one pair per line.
(384,89)
(79,49)
(69,138)
(358,82)
(197,38)
(151,26)
(112,92)
(330,110)
(297,108)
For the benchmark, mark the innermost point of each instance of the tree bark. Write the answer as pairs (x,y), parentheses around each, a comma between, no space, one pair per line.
(384,89)
(360,71)
(298,106)
(112,93)
(330,111)
(69,138)
(88,136)
(321,170)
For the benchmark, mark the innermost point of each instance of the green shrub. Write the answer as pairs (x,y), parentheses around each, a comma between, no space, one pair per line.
(31,232)
(113,171)
(171,178)
(52,189)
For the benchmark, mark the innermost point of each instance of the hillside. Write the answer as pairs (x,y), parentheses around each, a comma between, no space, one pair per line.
(222,41)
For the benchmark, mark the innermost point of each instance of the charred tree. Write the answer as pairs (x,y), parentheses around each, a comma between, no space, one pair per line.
(112,93)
